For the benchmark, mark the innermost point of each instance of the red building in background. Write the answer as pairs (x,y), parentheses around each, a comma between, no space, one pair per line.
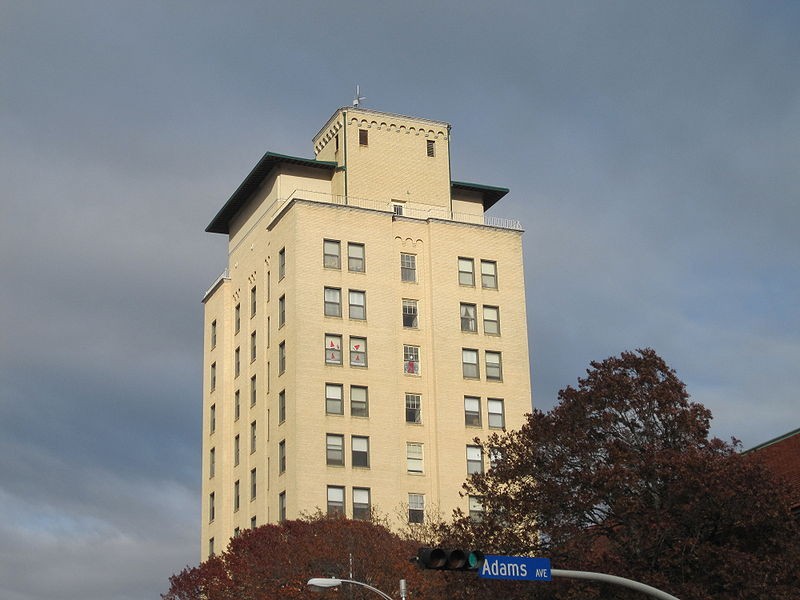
(782,456)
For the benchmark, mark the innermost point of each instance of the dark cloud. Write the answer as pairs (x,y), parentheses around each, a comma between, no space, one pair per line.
(650,149)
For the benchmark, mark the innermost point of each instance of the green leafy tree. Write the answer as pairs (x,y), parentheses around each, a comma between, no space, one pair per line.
(621,477)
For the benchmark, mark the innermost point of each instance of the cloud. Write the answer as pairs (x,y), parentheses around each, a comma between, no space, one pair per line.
(650,149)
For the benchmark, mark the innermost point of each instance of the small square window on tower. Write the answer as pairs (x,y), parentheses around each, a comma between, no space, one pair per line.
(431,148)
(363,137)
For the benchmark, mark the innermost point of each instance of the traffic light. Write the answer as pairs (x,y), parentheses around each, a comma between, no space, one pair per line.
(444,559)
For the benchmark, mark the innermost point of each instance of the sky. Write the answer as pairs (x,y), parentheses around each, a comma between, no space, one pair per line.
(651,150)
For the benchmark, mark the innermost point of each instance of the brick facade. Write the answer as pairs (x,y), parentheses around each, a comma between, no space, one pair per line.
(782,457)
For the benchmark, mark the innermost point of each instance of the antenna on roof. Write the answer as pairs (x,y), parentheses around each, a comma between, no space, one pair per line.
(357,100)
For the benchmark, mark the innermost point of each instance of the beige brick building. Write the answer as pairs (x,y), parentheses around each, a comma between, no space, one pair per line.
(370,324)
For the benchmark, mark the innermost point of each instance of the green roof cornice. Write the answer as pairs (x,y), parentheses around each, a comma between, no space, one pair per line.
(221,222)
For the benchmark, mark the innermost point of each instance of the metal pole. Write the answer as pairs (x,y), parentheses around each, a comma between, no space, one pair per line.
(324,582)
(613,579)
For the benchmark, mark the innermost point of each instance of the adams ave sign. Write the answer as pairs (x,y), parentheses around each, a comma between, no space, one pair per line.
(516,568)
(524,568)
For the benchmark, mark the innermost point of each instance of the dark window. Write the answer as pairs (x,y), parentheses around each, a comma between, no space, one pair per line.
(359,403)
(362,509)
(413,408)
(360,451)
(335,500)
(334,452)
(472,411)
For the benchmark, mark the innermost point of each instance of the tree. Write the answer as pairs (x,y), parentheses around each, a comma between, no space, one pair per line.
(620,477)
(276,561)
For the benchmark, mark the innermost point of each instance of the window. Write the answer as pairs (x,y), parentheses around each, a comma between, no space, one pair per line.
(359,447)
(253,488)
(252,346)
(237,405)
(211,507)
(281,263)
(253,390)
(253,522)
(237,361)
(362,507)
(475,509)
(398,208)
(331,254)
(282,456)
(414,458)
(466,271)
(335,500)
(469,363)
(281,311)
(236,494)
(333,399)
(358,352)
(411,359)
(468,320)
(269,333)
(237,318)
(497,418)
(359,403)
(491,320)
(213,334)
(363,137)
(474,460)
(334,449)
(472,411)
(281,358)
(494,457)
(413,408)
(416,508)
(281,507)
(494,366)
(212,418)
(333,349)
(269,285)
(358,305)
(408,267)
(212,462)
(355,257)
(213,376)
(252,437)
(333,302)
(488,274)
(237,442)
(430,148)
(410,313)
(281,406)
(211,546)
(252,301)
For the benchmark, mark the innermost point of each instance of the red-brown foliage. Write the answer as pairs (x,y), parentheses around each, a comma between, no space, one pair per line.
(276,561)
(621,478)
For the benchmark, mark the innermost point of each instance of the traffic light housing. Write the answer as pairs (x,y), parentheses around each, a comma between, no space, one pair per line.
(447,559)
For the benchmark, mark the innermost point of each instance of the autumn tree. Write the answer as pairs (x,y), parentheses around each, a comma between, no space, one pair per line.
(621,477)
(276,561)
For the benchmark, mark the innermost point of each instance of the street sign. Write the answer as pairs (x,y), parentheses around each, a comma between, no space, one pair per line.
(515,567)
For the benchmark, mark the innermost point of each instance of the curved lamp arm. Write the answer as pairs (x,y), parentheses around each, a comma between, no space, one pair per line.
(318,584)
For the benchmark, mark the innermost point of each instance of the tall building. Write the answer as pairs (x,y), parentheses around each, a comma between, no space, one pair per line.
(369,326)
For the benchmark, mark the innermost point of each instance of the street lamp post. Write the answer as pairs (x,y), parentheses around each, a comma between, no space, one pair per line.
(318,584)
